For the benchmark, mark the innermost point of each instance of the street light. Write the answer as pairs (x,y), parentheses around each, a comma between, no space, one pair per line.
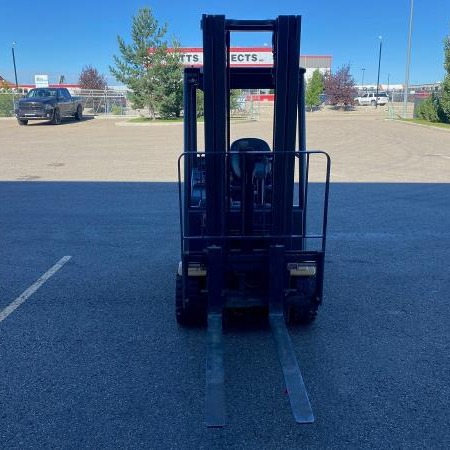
(14,62)
(408,60)
(362,82)
(379,63)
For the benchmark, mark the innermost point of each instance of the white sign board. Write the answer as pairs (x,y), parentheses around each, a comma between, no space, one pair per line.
(239,56)
(41,80)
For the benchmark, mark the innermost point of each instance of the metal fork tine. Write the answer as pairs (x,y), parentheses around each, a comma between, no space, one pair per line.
(215,395)
(301,408)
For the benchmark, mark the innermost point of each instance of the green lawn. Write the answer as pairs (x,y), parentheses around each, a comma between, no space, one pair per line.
(426,122)
(148,120)
(199,119)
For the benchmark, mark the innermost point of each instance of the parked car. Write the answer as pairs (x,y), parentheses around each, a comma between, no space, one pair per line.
(323,99)
(51,104)
(370,98)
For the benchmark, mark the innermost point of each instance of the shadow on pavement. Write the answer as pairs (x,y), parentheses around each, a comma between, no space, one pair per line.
(95,358)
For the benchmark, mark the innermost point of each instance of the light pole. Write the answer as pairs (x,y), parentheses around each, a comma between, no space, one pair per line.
(379,64)
(14,63)
(362,82)
(408,60)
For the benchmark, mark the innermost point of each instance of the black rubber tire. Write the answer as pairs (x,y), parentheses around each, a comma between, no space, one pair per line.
(179,309)
(183,313)
(56,119)
(301,314)
(187,314)
(373,102)
(79,113)
(22,121)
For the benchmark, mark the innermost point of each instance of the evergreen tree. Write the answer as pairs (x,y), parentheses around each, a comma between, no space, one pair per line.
(168,83)
(444,100)
(313,90)
(153,73)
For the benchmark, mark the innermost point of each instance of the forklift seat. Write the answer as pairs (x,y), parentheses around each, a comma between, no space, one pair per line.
(261,166)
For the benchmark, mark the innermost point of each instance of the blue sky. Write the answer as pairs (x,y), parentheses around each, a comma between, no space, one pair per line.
(54,37)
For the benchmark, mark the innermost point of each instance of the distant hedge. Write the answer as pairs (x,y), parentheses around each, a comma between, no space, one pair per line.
(6,104)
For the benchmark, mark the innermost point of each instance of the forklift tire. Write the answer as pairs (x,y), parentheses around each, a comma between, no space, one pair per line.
(186,315)
(300,314)
(180,311)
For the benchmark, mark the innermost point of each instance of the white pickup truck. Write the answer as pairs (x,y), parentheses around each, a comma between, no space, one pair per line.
(370,98)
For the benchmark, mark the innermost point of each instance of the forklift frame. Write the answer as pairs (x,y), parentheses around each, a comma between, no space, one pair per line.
(228,237)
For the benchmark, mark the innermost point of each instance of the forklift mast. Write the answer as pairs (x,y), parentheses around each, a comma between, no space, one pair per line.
(243,206)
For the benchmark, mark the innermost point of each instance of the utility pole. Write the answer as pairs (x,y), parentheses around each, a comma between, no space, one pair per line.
(379,64)
(408,61)
(14,63)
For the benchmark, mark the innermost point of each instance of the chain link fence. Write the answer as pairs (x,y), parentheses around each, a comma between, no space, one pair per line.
(397,108)
(95,102)
(105,102)
(114,102)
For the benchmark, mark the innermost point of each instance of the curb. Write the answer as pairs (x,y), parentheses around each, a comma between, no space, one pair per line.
(446,130)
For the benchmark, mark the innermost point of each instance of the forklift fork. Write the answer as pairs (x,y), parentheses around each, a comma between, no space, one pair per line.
(215,390)
(301,408)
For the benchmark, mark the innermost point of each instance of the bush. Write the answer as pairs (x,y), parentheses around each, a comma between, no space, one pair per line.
(6,104)
(116,110)
(428,109)
(433,109)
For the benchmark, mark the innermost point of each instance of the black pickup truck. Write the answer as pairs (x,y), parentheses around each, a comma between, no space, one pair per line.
(51,104)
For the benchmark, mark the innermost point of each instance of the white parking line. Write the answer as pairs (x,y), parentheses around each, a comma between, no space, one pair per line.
(4,313)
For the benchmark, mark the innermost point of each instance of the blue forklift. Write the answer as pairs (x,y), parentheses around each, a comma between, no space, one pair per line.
(244,205)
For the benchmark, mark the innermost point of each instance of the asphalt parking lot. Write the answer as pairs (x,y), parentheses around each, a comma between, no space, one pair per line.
(93,358)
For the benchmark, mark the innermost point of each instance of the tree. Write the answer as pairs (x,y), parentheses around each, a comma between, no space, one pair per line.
(149,69)
(168,81)
(313,90)
(444,100)
(436,108)
(340,87)
(90,78)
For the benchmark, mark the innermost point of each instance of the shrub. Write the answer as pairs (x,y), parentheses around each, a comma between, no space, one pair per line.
(116,110)
(427,110)
(6,104)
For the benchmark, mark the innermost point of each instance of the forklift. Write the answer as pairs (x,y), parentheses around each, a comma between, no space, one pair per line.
(243,207)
